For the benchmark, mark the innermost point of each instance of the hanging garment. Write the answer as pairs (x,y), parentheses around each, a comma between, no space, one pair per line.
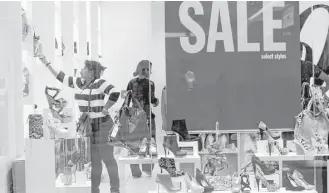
(164,108)
(35,126)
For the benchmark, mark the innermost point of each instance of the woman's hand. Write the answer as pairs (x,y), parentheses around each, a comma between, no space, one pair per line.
(105,112)
(43,59)
(156,103)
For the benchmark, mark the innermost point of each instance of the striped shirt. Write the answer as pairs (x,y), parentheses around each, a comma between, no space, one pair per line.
(99,88)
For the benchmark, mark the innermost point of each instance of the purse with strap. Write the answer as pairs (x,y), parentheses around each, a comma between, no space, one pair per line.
(312,126)
(84,125)
(130,125)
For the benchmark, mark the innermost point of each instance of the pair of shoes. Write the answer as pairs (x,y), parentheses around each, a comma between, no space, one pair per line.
(170,145)
(179,127)
(297,180)
(271,139)
(168,164)
(148,148)
(192,185)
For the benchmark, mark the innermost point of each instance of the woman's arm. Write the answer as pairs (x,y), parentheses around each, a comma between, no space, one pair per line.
(129,88)
(72,82)
(154,100)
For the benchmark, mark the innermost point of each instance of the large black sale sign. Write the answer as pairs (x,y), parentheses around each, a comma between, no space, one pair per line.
(232,62)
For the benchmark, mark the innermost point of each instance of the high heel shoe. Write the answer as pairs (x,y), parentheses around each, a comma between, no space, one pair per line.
(179,127)
(283,151)
(236,184)
(143,148)
(170,144)
(165,181)
(168,164)
(270,144)
(202,137)
(263,128)
(153,148)
(245,183)
(271,187)
(299,179)
(203,182)
(290,184)
(209,140)
(257,162)
(192,184)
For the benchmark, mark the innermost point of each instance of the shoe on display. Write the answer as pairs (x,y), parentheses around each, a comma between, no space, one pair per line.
(168,164)
(300,181)
(179,127)
(165,181)
(290,184)
(245,183)
(203,182)
(270,186)
(263,128)
(170,145)
(192,184)
(153,148)
(283,151)
(143,148)
(257,163)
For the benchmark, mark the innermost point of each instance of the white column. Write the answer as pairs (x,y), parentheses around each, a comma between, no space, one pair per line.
(158,57)
(94,30)
(68,65)
(10,88)
(44,23)
(11,96)
(82,26)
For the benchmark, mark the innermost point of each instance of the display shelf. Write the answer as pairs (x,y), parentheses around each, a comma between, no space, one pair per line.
(73,188)
(226,151)
(278,157)
(124,161)
(282,190)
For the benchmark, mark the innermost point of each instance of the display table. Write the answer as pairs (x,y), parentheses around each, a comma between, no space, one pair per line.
(74,188)
(124,161)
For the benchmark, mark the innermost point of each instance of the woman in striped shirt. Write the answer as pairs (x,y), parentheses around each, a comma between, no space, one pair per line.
(101,121)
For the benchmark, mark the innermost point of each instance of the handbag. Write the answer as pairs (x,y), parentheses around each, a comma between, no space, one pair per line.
(130,126)
(312,125)
(133,122)
(84,125)
(35,126)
